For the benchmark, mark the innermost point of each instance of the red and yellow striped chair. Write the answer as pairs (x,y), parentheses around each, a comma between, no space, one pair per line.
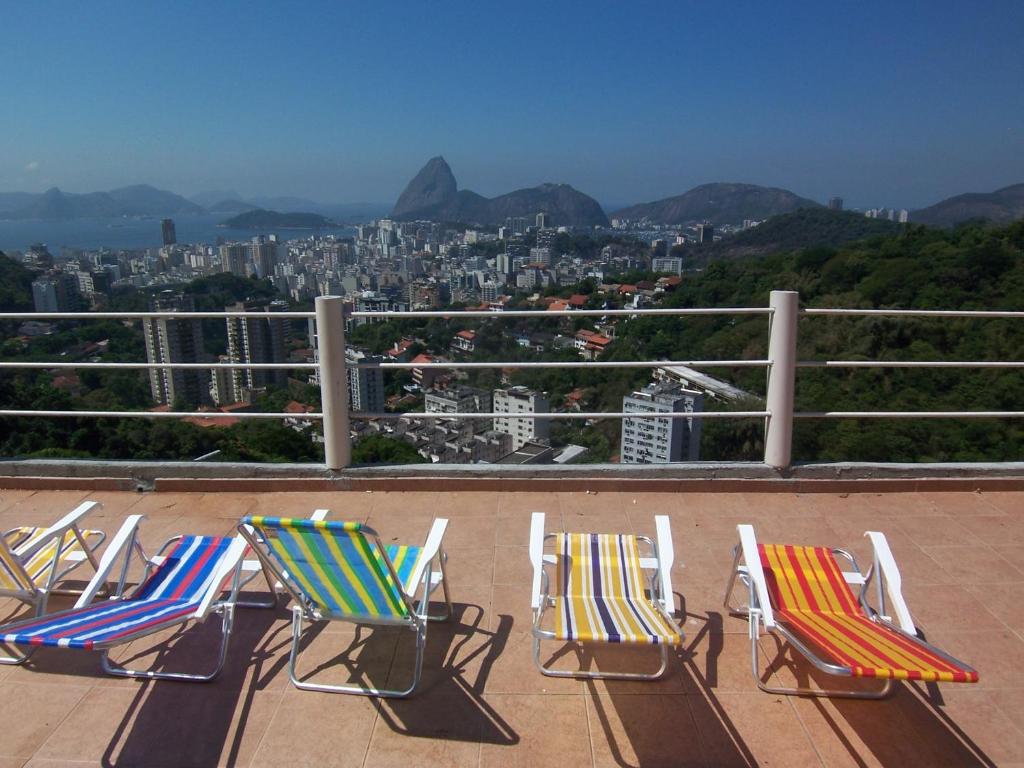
(604,592)
(802,595)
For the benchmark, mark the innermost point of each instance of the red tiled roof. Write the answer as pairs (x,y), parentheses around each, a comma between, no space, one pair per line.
(296,407)
(423,358)
(578,300)
(468,335)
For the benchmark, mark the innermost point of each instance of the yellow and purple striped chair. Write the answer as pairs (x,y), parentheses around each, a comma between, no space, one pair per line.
(33,560)
(340,571)
(601,593)
(801,594)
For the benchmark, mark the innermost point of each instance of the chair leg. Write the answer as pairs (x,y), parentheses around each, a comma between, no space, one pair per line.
(583,675)
(755,669)
(359,690)
(16,657)
(447,615)
(228,619)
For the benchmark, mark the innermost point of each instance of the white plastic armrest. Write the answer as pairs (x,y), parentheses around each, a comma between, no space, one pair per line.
(320,514)
(752,559)
(120,544)
(667,556)
(536,554)
(430,549)
(62,525)
(229,562)
(891,581)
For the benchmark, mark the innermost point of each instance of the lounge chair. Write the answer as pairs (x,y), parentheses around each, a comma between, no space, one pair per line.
(33,560)
(182,583)
(801,595)
(599,593)
(340,571)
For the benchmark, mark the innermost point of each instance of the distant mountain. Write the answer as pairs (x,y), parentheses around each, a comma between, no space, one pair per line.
(285,204)
(720,203)
(231,206)
(1000,207)
(138,200)
(12,201)
(264,219)
(805,228)
(214,196)
(434,194)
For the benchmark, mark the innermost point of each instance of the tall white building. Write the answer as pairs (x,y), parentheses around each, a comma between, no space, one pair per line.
(521,400)
(661,440)
(365,385)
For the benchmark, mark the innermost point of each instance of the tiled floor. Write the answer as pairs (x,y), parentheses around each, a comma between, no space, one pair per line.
(483,703)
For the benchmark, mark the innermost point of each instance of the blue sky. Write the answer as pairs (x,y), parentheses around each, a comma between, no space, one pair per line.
(882,103)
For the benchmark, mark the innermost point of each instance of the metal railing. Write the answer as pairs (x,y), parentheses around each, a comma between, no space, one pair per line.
(781,364)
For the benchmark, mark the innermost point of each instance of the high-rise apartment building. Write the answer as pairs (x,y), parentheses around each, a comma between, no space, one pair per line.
(264,256)
(705,233)
(256,340)
(167,231)
(543,221)
(365,385)
(234,258)
(175,341)
(835,204)
(671,264)
(460,400)
(44,295)
(661,440)
(521,400)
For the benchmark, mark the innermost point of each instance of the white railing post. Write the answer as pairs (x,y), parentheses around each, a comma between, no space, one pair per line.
(330,338)
(778,436)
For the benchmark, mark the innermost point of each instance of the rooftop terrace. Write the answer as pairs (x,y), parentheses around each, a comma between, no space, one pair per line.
(482,702)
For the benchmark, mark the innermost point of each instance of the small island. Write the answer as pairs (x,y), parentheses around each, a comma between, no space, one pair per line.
(263,219)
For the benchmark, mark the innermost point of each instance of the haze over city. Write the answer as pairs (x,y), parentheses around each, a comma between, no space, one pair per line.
(897,105)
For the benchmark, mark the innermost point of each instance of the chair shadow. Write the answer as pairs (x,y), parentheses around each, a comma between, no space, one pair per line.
(449,702)
(895,729)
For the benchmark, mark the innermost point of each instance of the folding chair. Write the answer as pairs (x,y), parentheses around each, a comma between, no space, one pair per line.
(801,595)
(340,571)
(33,560)
(182,583)
(599,593)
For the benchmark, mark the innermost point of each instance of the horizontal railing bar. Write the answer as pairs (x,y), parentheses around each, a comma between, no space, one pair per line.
(571,364)
(162,414)
(981,313)
(563,415)
(149,315)
(910,364)
(447,313)
(909,415)
(186,366)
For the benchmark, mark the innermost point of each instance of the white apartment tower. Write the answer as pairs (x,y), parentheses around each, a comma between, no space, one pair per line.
(661,440)
(522,429)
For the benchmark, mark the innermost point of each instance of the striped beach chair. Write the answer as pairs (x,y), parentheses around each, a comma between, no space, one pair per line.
(34,560)
(340,571)
(183,583)
(601,595)
(802,595)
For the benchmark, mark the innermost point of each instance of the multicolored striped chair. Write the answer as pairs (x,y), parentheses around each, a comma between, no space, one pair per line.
(340,571)
(33,560)
(802,595)
(599,594)
(183,583)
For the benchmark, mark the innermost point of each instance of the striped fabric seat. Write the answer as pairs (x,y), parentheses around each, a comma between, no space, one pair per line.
(810,596)
(336,566)
(600,596)
(20,540)
(171,593)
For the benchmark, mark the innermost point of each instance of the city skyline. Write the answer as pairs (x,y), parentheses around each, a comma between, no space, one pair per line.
(890,105)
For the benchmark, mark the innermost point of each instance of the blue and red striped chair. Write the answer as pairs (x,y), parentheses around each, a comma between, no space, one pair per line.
(802,595)
(185,582)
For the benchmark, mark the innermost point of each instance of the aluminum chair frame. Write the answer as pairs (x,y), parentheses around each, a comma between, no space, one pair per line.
(123,547)
(36,596)
(417,617)
(883,575)
(658,564)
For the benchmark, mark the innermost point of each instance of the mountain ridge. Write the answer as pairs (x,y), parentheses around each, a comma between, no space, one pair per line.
(433,193)
(1000,207)
(719,203)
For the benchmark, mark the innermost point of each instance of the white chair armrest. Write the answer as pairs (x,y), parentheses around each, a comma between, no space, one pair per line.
(121,544)
(536,555)
(752,559)
(890,580)
(430,549)
(229,562)
(666,557)
(61,526)
(320,514)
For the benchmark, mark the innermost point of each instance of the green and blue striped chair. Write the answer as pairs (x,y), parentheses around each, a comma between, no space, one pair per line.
(340,571)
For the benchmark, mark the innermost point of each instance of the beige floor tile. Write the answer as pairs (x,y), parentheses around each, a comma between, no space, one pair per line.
(31,712)
(549,731)
(643,730)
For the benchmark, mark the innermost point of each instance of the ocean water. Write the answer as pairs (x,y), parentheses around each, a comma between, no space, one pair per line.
(91,234)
